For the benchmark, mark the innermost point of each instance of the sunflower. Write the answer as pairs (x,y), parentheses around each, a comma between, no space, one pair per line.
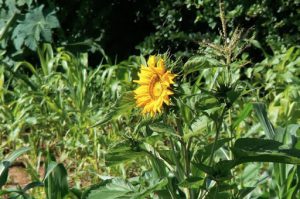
(154,89)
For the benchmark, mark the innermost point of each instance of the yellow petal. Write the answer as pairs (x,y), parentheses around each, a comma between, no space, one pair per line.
(161,66)
(151,61)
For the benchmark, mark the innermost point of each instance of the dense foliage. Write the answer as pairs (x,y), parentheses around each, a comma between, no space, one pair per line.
(68,112)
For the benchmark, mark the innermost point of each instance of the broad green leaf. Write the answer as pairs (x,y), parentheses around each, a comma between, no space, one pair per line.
(247,150)
(146,192)
(121,189)
(87,192)
(34,28)
(116,189)
(261,150)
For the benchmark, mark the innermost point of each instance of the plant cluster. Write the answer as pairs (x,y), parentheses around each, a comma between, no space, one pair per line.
(215,124)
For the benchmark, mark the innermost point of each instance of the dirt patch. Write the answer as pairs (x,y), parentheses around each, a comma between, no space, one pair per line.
(18,175)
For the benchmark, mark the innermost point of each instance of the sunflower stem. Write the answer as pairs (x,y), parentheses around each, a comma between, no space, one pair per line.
(218,124)
(185,154)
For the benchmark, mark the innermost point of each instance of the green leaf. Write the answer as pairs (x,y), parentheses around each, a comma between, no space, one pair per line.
(146,192)
(124,156)
(13,156)
(206,151)
(200,62)
(220,191)
(118,188)
(242,193)
(261,150)
(32,185)
(4,165)
(87,192)
(36,27)
(163,128)
(75,193)
(247,150)
(121,189)
(50,167)
(243,114)
(103,192)
(124,105)
(4,173)
(260,110)
(56,183)
(192,182)
(4,30)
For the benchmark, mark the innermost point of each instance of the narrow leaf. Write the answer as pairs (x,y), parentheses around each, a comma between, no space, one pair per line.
(260,110)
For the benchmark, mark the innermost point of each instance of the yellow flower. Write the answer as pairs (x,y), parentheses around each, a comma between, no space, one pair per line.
(154,89)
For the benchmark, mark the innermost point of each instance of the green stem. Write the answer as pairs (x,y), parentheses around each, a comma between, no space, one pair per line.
(185,154)
(218,126)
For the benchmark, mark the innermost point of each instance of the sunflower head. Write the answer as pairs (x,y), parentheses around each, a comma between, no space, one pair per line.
(154,86)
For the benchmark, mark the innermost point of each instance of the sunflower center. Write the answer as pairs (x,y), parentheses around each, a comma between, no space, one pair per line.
(155,87)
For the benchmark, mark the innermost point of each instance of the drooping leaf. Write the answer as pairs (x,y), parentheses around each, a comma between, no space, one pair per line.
(13,156)
(32,185)
(5,164)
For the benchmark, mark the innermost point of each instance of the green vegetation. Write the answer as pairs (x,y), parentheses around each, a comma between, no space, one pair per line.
(68,114)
